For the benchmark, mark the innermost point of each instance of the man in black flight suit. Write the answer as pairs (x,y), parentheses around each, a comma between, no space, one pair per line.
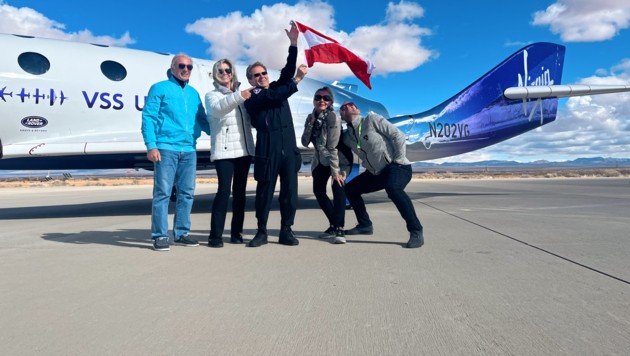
(276,150)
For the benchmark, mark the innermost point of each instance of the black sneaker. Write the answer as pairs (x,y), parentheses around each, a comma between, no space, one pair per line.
(416,239)
(360,230)
(340,237)
(258,240)
(161,244)
(287,237)
(329,233)
(185,241)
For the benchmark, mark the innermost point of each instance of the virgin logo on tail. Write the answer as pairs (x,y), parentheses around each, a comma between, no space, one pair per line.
(543,79)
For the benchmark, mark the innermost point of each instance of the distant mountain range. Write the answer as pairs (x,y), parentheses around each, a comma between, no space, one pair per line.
(593,162)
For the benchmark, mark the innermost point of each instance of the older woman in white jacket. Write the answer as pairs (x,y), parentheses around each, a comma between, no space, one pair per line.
(232,146)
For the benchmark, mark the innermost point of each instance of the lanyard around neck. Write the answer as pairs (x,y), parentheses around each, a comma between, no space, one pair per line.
(359,137)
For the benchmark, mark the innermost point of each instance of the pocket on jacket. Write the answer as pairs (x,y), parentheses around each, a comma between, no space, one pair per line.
(298,160)
(262,169)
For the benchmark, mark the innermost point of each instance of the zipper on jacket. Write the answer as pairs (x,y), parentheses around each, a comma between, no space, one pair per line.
(359,147)
(186,106)
(244,134)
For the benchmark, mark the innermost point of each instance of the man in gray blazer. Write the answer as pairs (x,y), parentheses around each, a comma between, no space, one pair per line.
(381,148)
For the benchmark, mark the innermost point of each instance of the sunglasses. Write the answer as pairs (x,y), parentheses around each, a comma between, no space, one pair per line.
(226,71)
(259,74)
(182,66)
(344,106)
(320,97)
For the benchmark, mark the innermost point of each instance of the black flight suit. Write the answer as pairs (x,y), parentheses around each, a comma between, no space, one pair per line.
(276,150)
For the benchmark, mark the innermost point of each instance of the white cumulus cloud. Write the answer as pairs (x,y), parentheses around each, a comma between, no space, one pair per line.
(585,20)
(260,36)
(26,21)
(403,11)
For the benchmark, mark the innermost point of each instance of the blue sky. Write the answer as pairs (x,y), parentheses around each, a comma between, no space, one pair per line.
(424,51)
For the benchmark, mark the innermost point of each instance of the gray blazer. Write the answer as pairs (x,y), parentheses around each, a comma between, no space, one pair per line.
(376,141)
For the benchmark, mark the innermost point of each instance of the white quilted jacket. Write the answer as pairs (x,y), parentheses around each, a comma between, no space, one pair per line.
(230,126)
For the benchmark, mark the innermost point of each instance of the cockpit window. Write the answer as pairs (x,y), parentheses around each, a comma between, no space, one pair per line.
(113,70)
(33,63)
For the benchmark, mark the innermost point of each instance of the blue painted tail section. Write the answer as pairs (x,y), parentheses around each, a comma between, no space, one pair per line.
(480,116)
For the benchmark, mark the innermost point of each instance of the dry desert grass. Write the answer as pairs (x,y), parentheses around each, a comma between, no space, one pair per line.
(83,182)
(40,182)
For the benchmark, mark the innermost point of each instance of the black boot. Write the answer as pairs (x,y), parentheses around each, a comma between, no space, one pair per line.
(260,238)
(214,241)
(287,237)
(236,238)
(416,239)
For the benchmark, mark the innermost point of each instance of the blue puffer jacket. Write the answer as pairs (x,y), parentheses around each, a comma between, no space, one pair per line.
(173,117)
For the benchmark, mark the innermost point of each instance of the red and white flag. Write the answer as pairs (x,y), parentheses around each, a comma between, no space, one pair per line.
(323,49)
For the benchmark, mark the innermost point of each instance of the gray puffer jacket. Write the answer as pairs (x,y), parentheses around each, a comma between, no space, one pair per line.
(376,141)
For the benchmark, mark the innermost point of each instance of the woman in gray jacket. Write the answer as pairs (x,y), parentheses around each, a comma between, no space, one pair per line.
(323,129)
(232,146)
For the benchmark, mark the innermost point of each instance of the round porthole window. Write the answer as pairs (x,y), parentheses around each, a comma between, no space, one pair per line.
(33,63)
(113,70)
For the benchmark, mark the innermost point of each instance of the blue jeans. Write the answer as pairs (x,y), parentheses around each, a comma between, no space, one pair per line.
(179,169)
(394,178)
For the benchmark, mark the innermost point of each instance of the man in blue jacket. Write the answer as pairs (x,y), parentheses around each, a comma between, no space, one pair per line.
(172,120)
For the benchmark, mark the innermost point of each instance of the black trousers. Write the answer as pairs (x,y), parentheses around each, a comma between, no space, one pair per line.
(335,211)
(283,164)
(394,178)
(232,172)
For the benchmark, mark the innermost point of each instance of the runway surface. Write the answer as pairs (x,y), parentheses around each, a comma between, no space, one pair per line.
(509,267)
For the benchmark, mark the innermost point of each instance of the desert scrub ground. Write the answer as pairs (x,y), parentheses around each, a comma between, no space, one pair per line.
(61,181)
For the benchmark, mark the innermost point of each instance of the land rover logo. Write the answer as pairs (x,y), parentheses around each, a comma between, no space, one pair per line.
(34,122)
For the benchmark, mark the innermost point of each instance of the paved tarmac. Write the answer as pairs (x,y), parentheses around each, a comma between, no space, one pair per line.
(510,267)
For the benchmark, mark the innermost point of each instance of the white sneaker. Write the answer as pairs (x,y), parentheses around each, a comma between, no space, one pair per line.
(340,237)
